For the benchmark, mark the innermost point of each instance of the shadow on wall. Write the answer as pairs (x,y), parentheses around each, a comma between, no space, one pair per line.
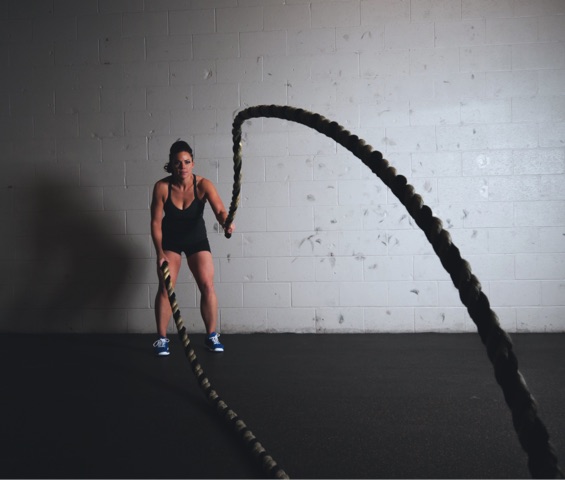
(69,265)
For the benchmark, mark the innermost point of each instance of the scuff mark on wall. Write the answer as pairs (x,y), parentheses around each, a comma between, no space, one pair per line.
(310,240)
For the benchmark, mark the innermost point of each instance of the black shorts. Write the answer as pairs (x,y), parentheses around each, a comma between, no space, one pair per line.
(188,249)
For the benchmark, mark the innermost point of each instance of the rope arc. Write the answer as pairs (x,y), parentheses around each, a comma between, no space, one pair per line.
(531,432)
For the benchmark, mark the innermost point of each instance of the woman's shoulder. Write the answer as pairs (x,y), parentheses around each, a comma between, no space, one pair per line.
(163,184)
(205,187)
(203,182)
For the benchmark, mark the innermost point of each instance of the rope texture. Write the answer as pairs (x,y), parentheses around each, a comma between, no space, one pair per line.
(257,450)
(532,433)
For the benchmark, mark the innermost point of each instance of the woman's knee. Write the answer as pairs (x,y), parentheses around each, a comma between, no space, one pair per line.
(207,287)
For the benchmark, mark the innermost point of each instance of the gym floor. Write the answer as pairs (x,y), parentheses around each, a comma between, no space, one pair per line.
(324,406)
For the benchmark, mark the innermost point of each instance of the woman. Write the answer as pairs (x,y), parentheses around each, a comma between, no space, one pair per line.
(177,225)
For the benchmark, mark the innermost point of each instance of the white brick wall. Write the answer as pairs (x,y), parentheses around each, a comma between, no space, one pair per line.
(466,98)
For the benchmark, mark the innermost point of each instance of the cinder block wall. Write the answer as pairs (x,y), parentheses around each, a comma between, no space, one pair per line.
(465,97)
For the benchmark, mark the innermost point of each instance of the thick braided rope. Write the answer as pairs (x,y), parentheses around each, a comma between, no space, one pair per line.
(532,433)
(255,448)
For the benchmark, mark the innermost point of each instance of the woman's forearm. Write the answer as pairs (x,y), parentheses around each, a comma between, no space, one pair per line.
(157,237)
(221,216)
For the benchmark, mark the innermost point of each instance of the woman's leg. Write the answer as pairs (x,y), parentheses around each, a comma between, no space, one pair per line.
(163,310)
(201,265)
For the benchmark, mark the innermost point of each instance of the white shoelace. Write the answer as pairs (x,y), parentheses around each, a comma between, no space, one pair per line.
(162,342)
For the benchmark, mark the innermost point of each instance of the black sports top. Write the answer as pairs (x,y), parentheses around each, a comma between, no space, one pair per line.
(184,226)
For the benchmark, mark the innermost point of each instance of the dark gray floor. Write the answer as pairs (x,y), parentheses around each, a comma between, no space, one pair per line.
(324,406)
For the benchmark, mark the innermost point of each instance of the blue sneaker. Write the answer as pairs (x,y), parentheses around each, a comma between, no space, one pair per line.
(161,347)
(213,343)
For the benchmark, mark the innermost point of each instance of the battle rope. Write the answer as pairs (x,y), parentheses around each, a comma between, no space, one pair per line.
(255,448)
(532,433)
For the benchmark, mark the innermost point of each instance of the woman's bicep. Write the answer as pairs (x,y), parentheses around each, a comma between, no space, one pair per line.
(157,203)
(213,197)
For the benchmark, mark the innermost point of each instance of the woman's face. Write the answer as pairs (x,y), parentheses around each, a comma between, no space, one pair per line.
(182,165)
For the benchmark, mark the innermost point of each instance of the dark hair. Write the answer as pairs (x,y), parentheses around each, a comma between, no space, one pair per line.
(177,147)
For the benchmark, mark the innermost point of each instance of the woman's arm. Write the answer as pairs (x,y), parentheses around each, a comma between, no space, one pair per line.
(211,194)
(157,204)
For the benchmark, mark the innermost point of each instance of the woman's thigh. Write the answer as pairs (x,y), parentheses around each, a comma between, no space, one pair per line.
(201,265)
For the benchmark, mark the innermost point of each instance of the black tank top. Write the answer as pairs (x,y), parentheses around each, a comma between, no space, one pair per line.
(184,226)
